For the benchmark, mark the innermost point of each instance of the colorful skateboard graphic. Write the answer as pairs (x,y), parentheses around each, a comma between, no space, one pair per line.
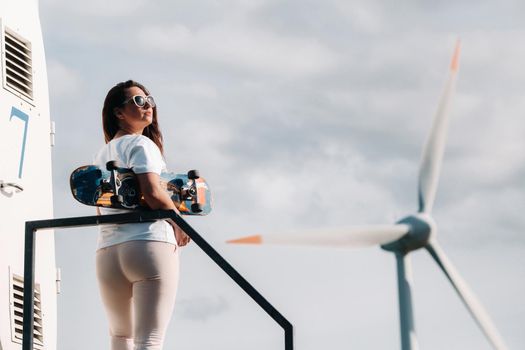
(116,187)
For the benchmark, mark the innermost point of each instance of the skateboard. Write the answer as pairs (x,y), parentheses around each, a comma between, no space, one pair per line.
(116,187)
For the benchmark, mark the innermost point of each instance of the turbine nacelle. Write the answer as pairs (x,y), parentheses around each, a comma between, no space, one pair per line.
(421,228)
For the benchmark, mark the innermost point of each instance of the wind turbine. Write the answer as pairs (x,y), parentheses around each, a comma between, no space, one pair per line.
(413,232)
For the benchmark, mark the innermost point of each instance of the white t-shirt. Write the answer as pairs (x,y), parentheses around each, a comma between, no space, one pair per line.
(139,153)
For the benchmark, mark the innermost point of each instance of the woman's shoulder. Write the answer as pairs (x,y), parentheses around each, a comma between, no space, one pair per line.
(144,141)
(134,140)
(140,144)
(129,146)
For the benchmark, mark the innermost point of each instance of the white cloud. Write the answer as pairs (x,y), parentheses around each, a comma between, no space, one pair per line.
(245,47)
(63,81)
(101,8)
(201,308)
(365,17)
(196,90)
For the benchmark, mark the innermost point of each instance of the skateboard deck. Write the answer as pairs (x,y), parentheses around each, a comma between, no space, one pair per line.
(116,187)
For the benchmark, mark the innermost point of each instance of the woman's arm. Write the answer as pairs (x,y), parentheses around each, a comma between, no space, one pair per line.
(154,195)
(157,198)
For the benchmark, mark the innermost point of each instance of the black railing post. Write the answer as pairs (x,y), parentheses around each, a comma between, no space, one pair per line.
(29,287)
(32,228)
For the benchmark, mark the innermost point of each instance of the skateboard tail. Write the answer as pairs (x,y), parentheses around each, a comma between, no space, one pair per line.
(85,183)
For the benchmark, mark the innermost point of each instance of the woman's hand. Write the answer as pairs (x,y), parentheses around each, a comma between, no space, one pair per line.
(180,236)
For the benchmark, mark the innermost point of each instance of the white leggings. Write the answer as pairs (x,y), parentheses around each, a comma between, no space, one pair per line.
(138,283)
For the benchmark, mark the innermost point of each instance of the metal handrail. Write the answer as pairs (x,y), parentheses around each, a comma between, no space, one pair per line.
(11,184)
(132,217)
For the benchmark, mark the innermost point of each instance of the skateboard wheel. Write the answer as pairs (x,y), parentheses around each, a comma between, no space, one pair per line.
(193,174)
(117,200)
(196,207)
(111,165)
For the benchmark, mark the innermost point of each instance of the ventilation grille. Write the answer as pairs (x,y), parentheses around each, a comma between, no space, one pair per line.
(18,64)
(17,312)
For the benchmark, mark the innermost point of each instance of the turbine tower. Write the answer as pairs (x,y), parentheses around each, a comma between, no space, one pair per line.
(413,232)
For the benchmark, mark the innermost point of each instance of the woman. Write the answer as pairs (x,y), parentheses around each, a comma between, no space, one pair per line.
(137,264)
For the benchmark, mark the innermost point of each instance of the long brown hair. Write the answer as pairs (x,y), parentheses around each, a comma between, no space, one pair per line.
(115,98)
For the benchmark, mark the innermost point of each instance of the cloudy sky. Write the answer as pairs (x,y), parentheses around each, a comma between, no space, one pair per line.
(306,114)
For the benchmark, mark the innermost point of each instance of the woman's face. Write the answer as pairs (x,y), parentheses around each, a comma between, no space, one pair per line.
(132,116)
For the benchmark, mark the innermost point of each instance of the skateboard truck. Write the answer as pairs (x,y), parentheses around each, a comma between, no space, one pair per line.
(116,199)
(192,192)
(114,182)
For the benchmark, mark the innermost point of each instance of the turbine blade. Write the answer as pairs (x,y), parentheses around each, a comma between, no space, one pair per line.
(435,145)
(467,296)
(349,237)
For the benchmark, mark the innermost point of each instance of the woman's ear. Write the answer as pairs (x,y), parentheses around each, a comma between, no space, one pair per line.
(118,113)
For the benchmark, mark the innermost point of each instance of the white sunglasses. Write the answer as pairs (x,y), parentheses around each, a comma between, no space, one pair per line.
(140,101)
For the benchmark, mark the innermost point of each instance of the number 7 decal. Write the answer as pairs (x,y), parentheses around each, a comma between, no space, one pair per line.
(25,118)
